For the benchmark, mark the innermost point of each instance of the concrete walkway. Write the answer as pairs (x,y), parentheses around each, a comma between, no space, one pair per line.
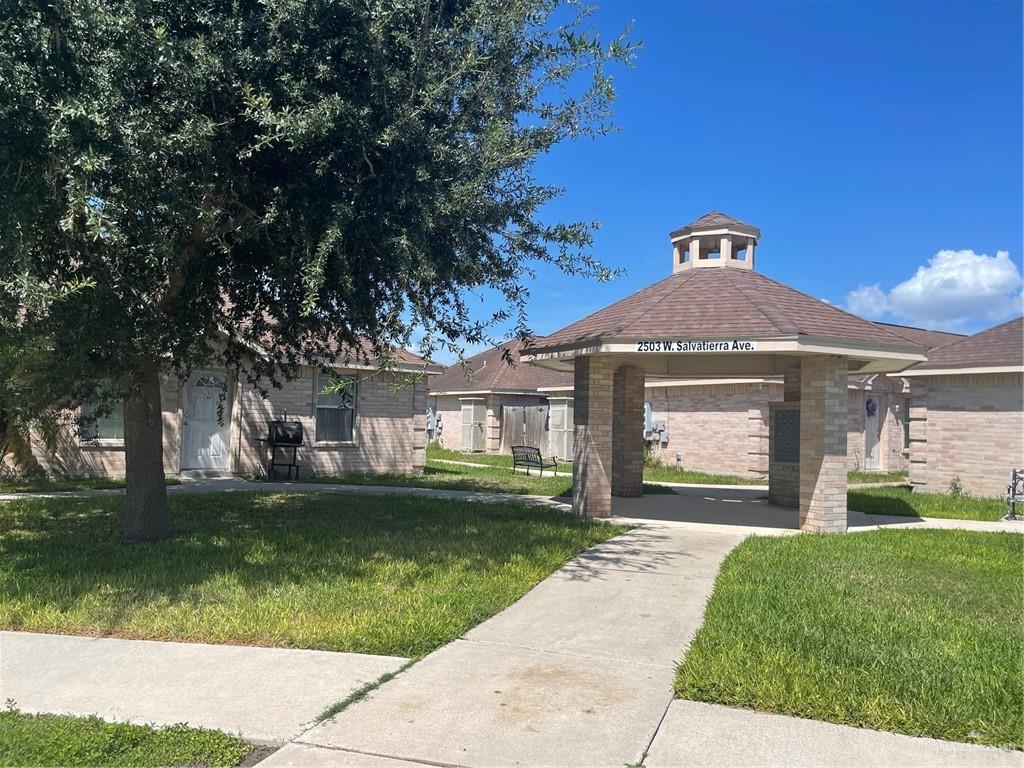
(741,507)
(698,735)
(747,510)
(266,694)
(578,672)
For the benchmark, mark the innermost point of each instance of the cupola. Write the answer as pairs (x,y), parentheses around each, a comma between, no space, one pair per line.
(714,240)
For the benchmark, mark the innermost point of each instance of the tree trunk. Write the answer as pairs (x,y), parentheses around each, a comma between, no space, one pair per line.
(144,515)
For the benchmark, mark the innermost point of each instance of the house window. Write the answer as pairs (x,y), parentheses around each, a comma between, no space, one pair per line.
(335,407)
(906,424)
(101,423)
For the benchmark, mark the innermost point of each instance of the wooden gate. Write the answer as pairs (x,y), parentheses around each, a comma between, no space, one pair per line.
(524,425)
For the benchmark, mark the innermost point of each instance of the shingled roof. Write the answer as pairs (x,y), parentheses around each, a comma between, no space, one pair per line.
(1002,346)
(717,220)
(490,372)
(719,303)
(923,336)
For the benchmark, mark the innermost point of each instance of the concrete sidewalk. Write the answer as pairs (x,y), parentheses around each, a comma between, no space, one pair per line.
(747,510)
(266,694)
(698,735)
(240,485)
(742,509)
(578,672)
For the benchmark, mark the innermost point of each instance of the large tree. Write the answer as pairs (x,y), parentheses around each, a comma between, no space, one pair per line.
(280,175)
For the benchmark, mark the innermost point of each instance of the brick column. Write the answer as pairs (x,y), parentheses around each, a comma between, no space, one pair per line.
(791,384)
(627,431)
(592,441)
(823,462)
(419,427)
(917,412)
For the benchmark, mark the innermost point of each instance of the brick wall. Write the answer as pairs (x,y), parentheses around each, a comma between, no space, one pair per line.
(450,411)
(715,427)
(971,426)
(74,458)
(390,431)
(719,427)
(389,434)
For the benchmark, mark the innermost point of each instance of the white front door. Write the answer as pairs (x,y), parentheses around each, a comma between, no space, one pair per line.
(872,431)
(205,442)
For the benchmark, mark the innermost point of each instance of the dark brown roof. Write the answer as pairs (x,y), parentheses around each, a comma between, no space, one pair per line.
(492,372)
(999,346)
(717,220)
(364,354)
(721,302)
(923,336)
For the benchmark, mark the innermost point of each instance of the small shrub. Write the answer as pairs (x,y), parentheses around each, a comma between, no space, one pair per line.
(956,488)
(651,460)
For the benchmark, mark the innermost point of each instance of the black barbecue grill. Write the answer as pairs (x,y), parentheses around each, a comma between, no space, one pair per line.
(284,438)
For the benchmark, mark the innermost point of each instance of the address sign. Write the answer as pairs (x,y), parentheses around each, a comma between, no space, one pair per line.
(695,345)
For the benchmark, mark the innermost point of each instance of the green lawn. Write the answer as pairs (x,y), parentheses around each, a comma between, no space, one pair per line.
(902,500)
(668,474)
(856,476)
(918,632)
(52,485)
(434,451)
(454,477)
(60,740)
(382,574)
(656,474)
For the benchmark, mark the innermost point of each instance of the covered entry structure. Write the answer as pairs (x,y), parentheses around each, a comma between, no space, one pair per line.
(716,316)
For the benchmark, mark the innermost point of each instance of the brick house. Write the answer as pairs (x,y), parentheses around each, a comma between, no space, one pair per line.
(211,423)
(967,412)
(489,405)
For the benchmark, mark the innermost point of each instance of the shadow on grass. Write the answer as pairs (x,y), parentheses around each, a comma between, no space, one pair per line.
(341,558)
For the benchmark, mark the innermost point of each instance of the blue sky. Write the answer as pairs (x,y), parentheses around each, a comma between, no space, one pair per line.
(865,139)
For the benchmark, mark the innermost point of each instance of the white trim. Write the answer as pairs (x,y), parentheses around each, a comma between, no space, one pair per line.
(963,371)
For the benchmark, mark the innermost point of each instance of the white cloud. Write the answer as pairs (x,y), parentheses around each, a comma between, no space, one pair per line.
(868,301)
(954,289)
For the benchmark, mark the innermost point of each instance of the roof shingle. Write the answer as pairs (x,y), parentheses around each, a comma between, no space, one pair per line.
(492,372)
(721,303)
(923,336)
(999,346)
(717,220)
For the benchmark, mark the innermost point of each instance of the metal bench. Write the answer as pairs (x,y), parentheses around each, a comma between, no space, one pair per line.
(529,457)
